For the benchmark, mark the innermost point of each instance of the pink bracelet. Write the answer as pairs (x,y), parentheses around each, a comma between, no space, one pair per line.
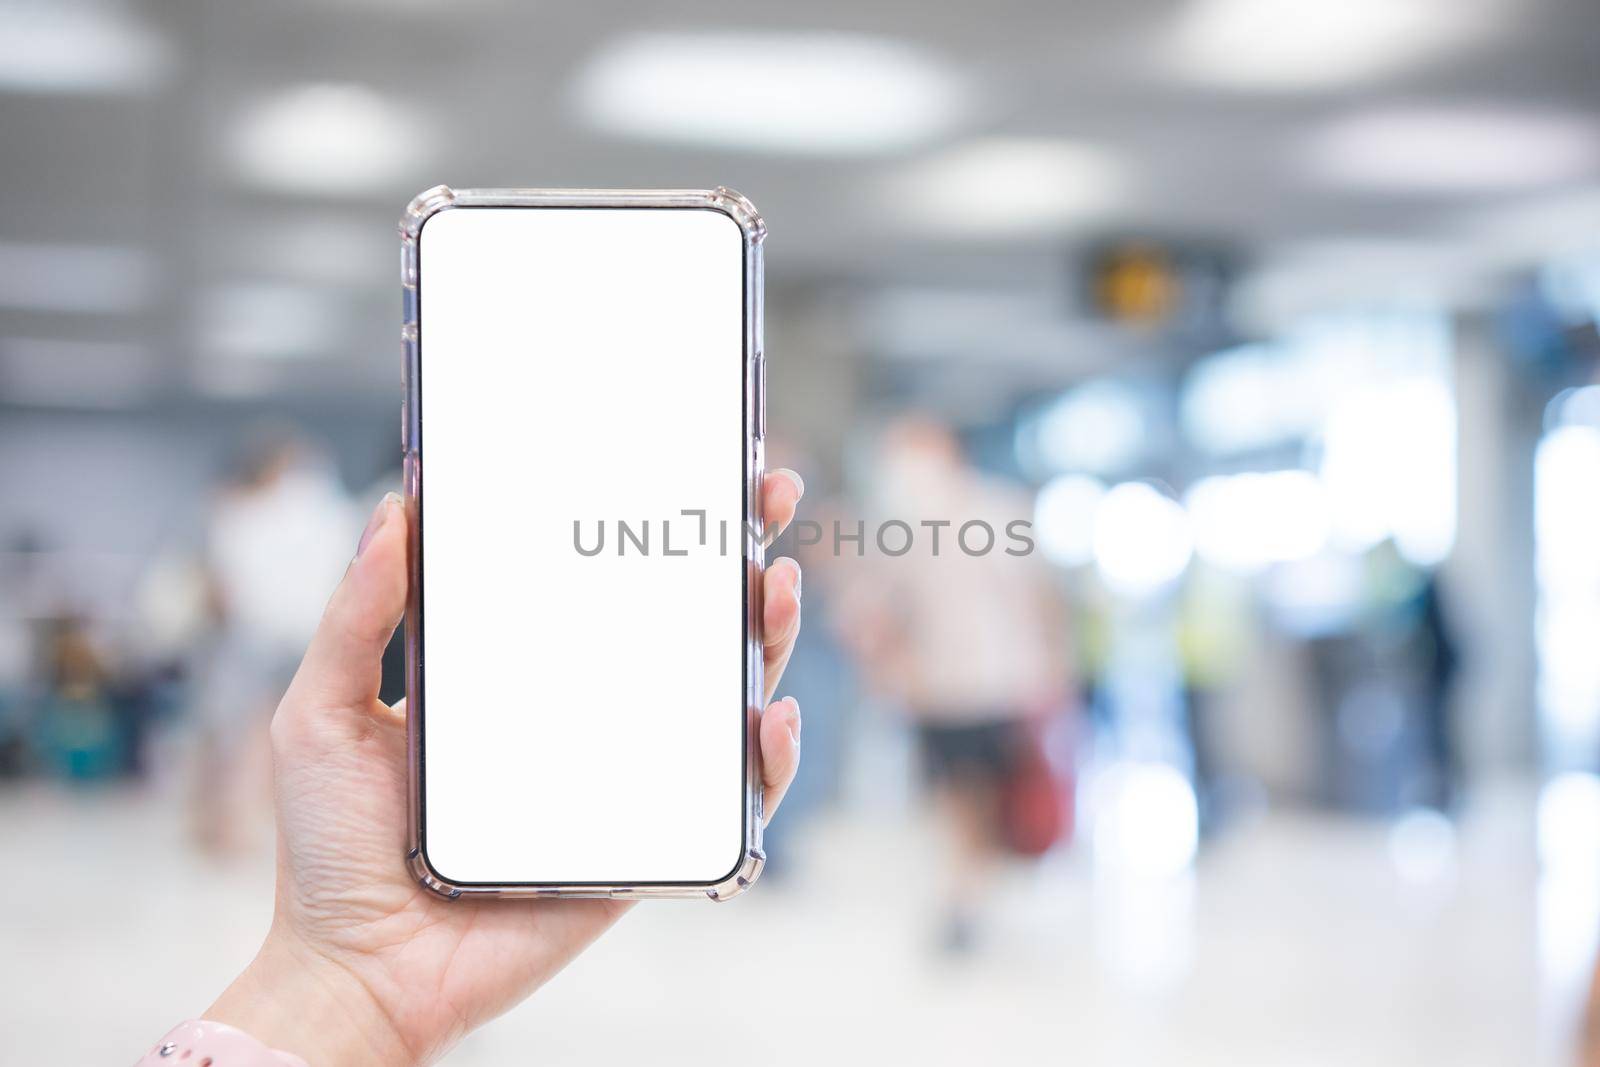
(198,1043)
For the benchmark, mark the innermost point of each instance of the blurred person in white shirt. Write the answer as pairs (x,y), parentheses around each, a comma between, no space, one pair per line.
(278,538)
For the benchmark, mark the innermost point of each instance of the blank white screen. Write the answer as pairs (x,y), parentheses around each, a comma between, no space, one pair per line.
(583,716)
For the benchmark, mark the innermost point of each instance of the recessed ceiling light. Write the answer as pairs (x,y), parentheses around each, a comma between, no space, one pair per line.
(428,8)
(269,320)
(1008,186)
(319,247)
(1290,45)
(94,374)
(64,47)
(1296,280)
(771,92)
(1454,149)
(326,139)
(1000,324)
(1538,226)
(92,279)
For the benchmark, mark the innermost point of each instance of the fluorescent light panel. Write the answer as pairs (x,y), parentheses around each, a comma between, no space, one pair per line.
(320,247)
(53,372)
(1315,277)
(89,279)
(269,321)
(325,139)
(1454,149)
(1008,186)
(1300,45)
(821,93)
(60,46)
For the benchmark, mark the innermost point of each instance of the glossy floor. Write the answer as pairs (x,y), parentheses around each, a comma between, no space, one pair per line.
(1298,940)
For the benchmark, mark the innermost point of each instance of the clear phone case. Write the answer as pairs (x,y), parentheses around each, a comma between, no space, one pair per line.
(741,211)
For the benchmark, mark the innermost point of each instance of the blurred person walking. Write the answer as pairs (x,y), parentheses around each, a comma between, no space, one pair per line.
(966,630)
(277,540)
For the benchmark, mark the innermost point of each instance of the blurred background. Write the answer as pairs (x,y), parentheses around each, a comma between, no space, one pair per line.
(1275,318)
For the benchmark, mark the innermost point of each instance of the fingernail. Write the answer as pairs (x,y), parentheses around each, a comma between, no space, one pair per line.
(794,565)
(380,515)
(792,719)
(799,483)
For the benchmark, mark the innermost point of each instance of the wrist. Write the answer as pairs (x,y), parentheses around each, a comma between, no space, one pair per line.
(294,998)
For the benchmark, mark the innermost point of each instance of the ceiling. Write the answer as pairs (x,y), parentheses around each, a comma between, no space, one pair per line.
(243,284)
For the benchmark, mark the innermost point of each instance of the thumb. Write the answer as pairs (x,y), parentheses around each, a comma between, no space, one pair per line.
(343,664)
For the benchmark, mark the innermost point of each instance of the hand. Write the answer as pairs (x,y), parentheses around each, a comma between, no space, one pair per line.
(362,965)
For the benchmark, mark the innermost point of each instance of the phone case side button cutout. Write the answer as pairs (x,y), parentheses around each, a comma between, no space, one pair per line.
(759,400)
(409,475)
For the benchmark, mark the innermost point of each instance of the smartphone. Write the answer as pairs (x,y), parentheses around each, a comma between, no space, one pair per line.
(582,425)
